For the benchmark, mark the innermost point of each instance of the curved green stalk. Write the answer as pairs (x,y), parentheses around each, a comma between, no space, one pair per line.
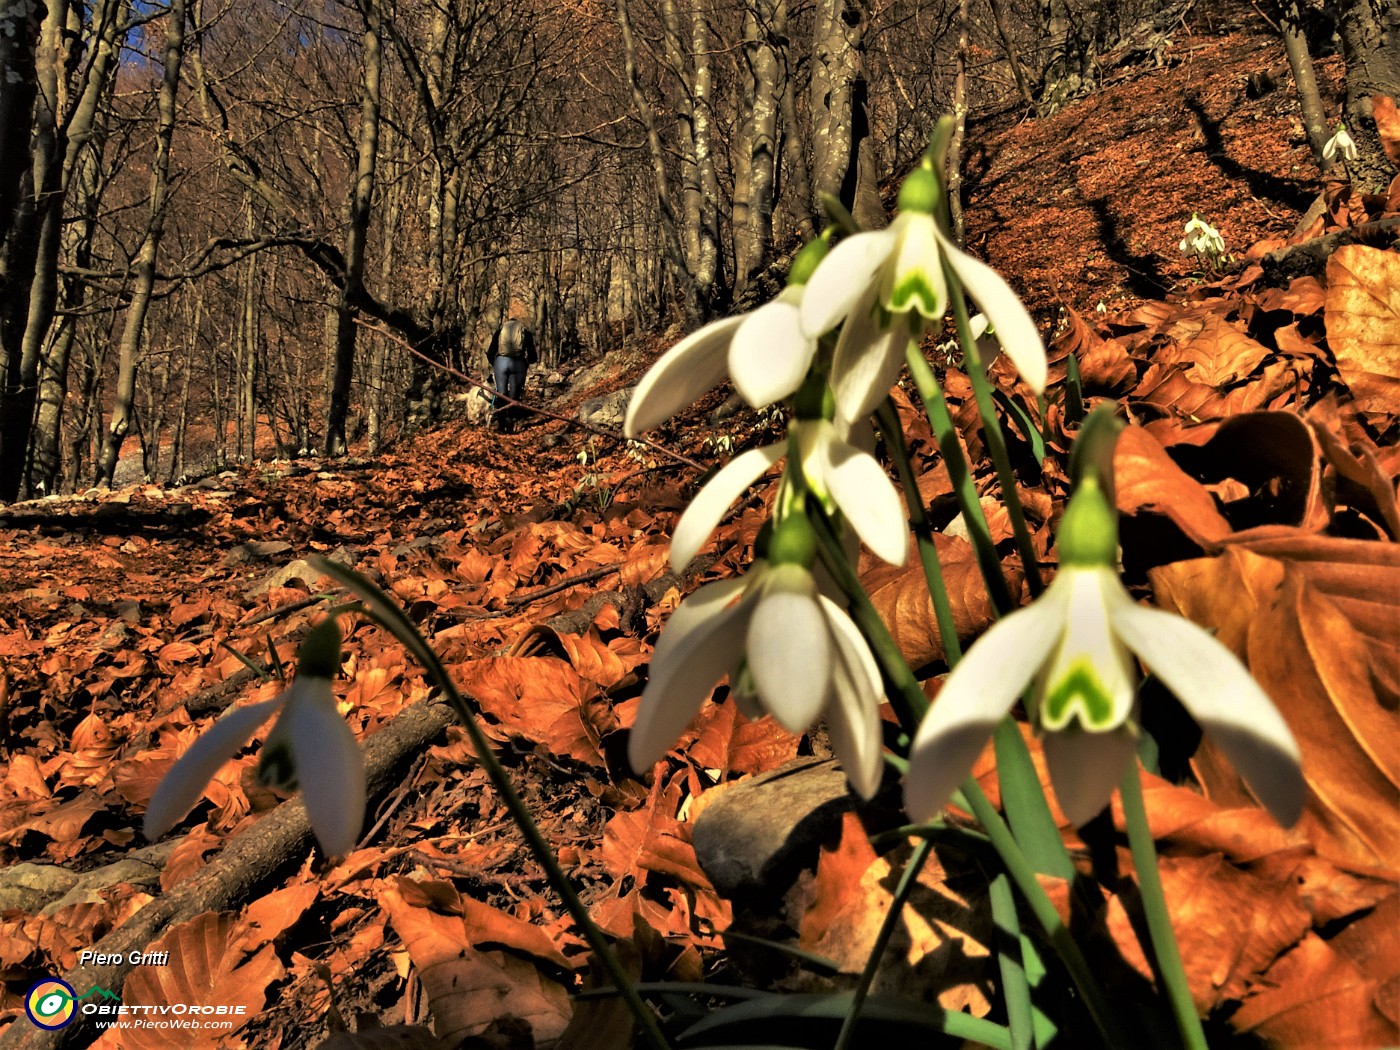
(1024,876)
(906,696)
(946,434)
(1154,903)
(882,939)
(991,430)
(1015,988)
(923,532)
(387,613)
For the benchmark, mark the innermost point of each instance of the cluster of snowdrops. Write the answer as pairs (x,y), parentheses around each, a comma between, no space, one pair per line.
(855,310)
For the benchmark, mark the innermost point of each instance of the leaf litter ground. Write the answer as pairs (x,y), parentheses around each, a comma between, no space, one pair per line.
(1259,498)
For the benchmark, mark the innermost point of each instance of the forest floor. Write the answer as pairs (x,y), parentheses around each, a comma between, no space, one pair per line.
(536,563)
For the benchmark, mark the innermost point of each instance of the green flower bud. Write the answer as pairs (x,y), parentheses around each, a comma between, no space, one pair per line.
(806,261)
(920,192)
(1089,530)
(814,399)
(319,656)
(794,542)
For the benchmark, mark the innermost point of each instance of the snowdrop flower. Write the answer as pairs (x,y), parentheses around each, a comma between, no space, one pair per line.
(840,473)
(1340,142)
(765,353)
(1076,642)
(789,651)
(888,286)
(1201,239)
(310,743)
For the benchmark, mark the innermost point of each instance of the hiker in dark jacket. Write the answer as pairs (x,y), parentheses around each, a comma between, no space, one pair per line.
(511,353)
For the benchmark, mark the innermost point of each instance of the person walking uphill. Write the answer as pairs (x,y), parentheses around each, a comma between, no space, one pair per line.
(511,353)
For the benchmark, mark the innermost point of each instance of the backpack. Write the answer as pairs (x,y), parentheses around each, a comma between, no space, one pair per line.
(512,339)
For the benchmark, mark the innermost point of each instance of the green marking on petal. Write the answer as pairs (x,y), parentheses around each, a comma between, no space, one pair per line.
(1081,688)
(914,292)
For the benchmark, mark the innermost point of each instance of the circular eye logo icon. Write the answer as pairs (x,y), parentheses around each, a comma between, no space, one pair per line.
(50,1003)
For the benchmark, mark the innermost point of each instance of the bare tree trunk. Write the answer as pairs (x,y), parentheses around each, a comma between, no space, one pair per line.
(706,271)
(246,369)
(21,22)
(134,330)
(361,196)
(83,185)
(1295,43)
(756,163)
(803,201)
(955,148)
(1013,54)
(670,222)
(840,128)
(1370,31)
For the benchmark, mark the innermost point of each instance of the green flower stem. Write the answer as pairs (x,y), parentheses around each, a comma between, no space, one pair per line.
(1024,876)
(905,695)
(387,613)
(909,702)
(923,532)
(946,434)
(902,891)
(1025,804)
(991,429)
(1154,903)
(1015,988)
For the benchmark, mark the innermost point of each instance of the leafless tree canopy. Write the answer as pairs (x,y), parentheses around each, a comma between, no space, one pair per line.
(212,211)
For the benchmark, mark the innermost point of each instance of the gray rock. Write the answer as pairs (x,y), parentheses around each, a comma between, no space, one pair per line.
(606,411)
(756,834)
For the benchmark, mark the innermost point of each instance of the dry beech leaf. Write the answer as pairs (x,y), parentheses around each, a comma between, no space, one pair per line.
(1387,125)
(272,914)
(206,969)
(1216,352)
(941,940)
(1148,479)
(1312,662)
(1360,482)
(1363,323)
(1229,924)
(468,990)
(1314,997)
(480,925)
(542,699)
(645,562)
(729,742)
(1275,456)
(1104,364)
(901,597)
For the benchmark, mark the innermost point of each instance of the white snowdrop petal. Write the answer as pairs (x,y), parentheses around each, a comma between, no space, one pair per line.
(1091,678)
(915,281)
(853,711)
(866,497)
(789,649)
(711,502)
(1225,699)
(841,279)
(680,681)
(976,696)
(330,768)
(681,376)
(184,784)
(867,362)
(1085,768)
(770,354)
(1015,330)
